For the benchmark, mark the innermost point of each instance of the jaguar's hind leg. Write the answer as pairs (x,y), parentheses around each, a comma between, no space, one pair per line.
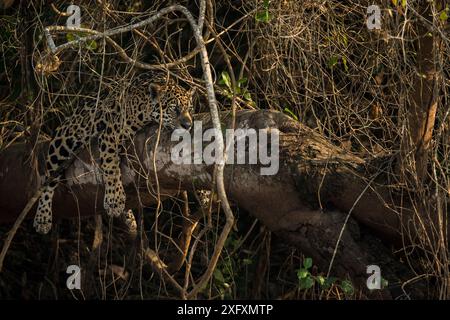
(43,218)
(69,138)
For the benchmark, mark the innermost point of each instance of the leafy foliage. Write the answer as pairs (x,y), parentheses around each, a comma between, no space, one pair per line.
(264,15)
(240,90)
(307,281)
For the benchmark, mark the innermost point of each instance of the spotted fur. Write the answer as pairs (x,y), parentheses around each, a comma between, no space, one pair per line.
(119,115)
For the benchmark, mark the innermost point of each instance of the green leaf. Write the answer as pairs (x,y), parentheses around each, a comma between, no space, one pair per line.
(266,4)
(263,16)
(307,263)
(333,61)
(321,280)
(242,81)
(347,287)
(260,16)
(228,93)
(404,2)
(91,45)
(344,61)
(395,2)
(247,96)
(253,104)
(443,16)
(218,275)
(345,39)
(225,79)
(329,282)
(306,283)
(247,262)
(289,112)
(302,273)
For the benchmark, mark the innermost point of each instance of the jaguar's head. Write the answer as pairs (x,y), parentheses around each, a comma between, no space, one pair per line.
(177,105)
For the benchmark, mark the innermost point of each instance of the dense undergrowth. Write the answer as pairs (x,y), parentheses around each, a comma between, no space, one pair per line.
(314,60)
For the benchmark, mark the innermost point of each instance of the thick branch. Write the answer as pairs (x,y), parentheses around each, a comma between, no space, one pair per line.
(313,174)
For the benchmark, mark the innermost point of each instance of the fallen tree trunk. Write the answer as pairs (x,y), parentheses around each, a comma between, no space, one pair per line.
(318,192)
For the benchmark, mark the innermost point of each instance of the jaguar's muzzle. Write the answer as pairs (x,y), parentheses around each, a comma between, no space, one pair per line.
(185,120)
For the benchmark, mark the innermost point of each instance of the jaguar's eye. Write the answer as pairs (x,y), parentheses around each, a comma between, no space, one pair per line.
(177,111)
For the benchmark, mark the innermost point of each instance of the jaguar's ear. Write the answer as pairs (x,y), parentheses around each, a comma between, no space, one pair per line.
(154,91)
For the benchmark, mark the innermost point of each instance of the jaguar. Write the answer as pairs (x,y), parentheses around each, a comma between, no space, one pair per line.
(150,97)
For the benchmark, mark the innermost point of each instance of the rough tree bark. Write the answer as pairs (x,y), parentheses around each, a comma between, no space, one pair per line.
(424,99)
(306,203)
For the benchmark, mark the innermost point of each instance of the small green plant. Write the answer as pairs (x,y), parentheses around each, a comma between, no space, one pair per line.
(306,280)
(347,287)
(290,113)
(240,90)
(333,61)
(229,276)
(264,15)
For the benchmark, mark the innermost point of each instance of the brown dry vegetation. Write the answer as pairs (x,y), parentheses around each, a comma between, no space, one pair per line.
(380,98)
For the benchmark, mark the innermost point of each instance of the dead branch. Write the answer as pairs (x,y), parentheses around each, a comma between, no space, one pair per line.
(287,203)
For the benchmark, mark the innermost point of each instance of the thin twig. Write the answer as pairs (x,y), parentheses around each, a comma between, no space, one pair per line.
(16,226)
